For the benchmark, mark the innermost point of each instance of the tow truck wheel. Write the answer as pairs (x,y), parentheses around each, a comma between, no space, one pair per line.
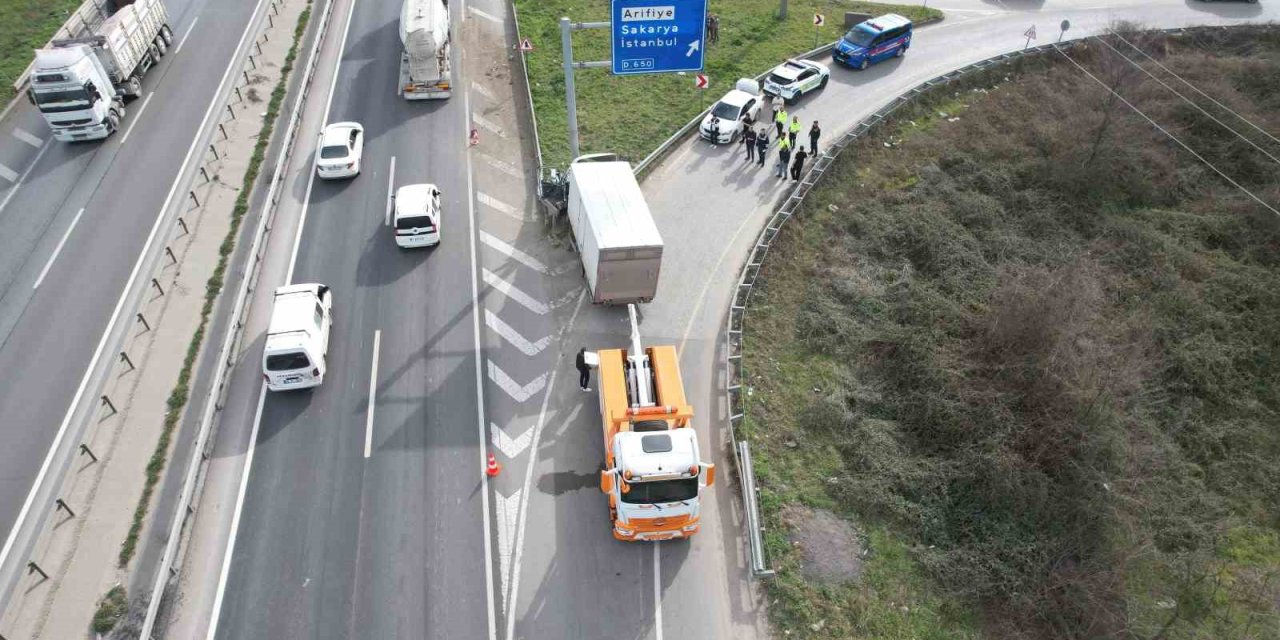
(167,34)
(113,120)
(161,46)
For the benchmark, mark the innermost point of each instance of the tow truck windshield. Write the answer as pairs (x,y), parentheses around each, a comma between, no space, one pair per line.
(660,491)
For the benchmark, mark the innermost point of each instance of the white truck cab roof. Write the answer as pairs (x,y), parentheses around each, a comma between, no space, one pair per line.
(658,455)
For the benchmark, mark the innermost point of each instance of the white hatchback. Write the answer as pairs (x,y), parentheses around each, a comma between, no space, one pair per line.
(417,215)
(340,150)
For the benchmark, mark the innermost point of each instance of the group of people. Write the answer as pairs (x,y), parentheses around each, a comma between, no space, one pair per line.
(788,129)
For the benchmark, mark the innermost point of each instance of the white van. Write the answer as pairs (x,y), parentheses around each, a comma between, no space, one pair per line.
(417,215)
(298,337)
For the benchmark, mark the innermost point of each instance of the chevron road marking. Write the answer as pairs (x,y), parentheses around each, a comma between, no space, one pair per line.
(487,16)
(511,335)
(480,89)
(513,388)
(507,289)
(503,166)
(527,260)
(500,206)
(488,124)
(508,509)
(510,447)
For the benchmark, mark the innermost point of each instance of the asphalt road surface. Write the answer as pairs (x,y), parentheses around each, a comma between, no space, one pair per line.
(73,220)
(410,539)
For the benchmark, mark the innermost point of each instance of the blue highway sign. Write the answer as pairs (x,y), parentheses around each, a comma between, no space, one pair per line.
(658,36)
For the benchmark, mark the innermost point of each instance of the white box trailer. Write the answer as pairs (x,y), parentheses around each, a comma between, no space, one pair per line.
(615,233)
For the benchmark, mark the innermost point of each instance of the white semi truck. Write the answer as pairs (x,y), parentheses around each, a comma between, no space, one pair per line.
(424,63)
(80,84)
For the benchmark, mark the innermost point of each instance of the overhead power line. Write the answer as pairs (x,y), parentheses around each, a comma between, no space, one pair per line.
(1166,132)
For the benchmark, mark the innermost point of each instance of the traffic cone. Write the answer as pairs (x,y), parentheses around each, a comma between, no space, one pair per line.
(493,468)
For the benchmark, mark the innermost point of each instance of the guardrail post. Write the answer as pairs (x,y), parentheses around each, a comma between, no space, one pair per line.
(156,283)
(124,358)
(194,199)
(222,128)
(62,504)
(232,112)
(32,567)
(239,96)
(106,402)
(215,149)
(168,251)
(183,223)
(146,326)
(204,173)
(86,451)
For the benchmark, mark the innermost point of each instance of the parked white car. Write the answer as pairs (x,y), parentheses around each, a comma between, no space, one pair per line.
(794,78)
(726,120)
(340,150)
(417,215)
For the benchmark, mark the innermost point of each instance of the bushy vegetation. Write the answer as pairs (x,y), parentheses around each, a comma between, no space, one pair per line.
(26,25)
(1033,345)
(632,115)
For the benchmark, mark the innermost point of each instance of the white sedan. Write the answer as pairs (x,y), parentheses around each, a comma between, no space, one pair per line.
(794,78)
(340,150)
(728,117)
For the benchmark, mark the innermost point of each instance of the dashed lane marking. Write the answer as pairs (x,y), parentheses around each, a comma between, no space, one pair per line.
(488,124)
(509,290)
(510,447)
(500,206)
(502,165)
(514,389)
(487,16)
(8,174)
(28,137)
(508,509)
(509,334)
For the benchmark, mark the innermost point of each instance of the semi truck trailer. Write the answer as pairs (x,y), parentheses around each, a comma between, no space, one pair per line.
(424,63)
(617,239)
(653,474)
(80,84)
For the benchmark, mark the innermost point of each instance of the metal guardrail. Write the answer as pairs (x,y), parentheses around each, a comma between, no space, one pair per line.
(55,480)
(226,355)
(736,389)
(528,93)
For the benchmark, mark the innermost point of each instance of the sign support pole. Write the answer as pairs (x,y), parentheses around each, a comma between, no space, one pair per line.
(570,94)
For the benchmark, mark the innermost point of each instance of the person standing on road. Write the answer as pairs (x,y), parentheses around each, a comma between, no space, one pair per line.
(749,139)
(798,165)
(814,133)
(584,371)
(784,156)
(780,121)
(794,129)
(762,145)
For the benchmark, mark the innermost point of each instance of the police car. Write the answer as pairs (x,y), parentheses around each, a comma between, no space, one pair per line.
(794,78)
(727,118)
(874,40)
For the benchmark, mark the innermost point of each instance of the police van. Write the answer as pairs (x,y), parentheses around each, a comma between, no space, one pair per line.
(877,39)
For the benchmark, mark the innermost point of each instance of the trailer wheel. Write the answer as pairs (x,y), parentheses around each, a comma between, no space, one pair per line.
(155,53)
(167,34)
(134,87)
(161,46)
(113,120)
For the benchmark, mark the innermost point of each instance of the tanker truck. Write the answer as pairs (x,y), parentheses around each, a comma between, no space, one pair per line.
(80,84)
(653,474)
(424,63)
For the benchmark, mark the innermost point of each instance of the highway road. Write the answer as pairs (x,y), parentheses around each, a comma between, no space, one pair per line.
(363,510)
(73,221)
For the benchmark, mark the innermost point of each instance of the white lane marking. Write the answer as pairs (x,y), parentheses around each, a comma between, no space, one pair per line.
(502,165)
(514,389)
(478,88)
(391,192)
(528,473)
(58,249)
(186,35)
(500,206)
(510,447)
(18,185)
(373,391)
(253,437)
(136,117)
(509,290)
(115,314)
(510,334)
(508,511)
(486,16)
(8,174)
(235,514)
(488,124)
(475,326)
(306,200)
(28,137)
(657,592)
(511,252)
